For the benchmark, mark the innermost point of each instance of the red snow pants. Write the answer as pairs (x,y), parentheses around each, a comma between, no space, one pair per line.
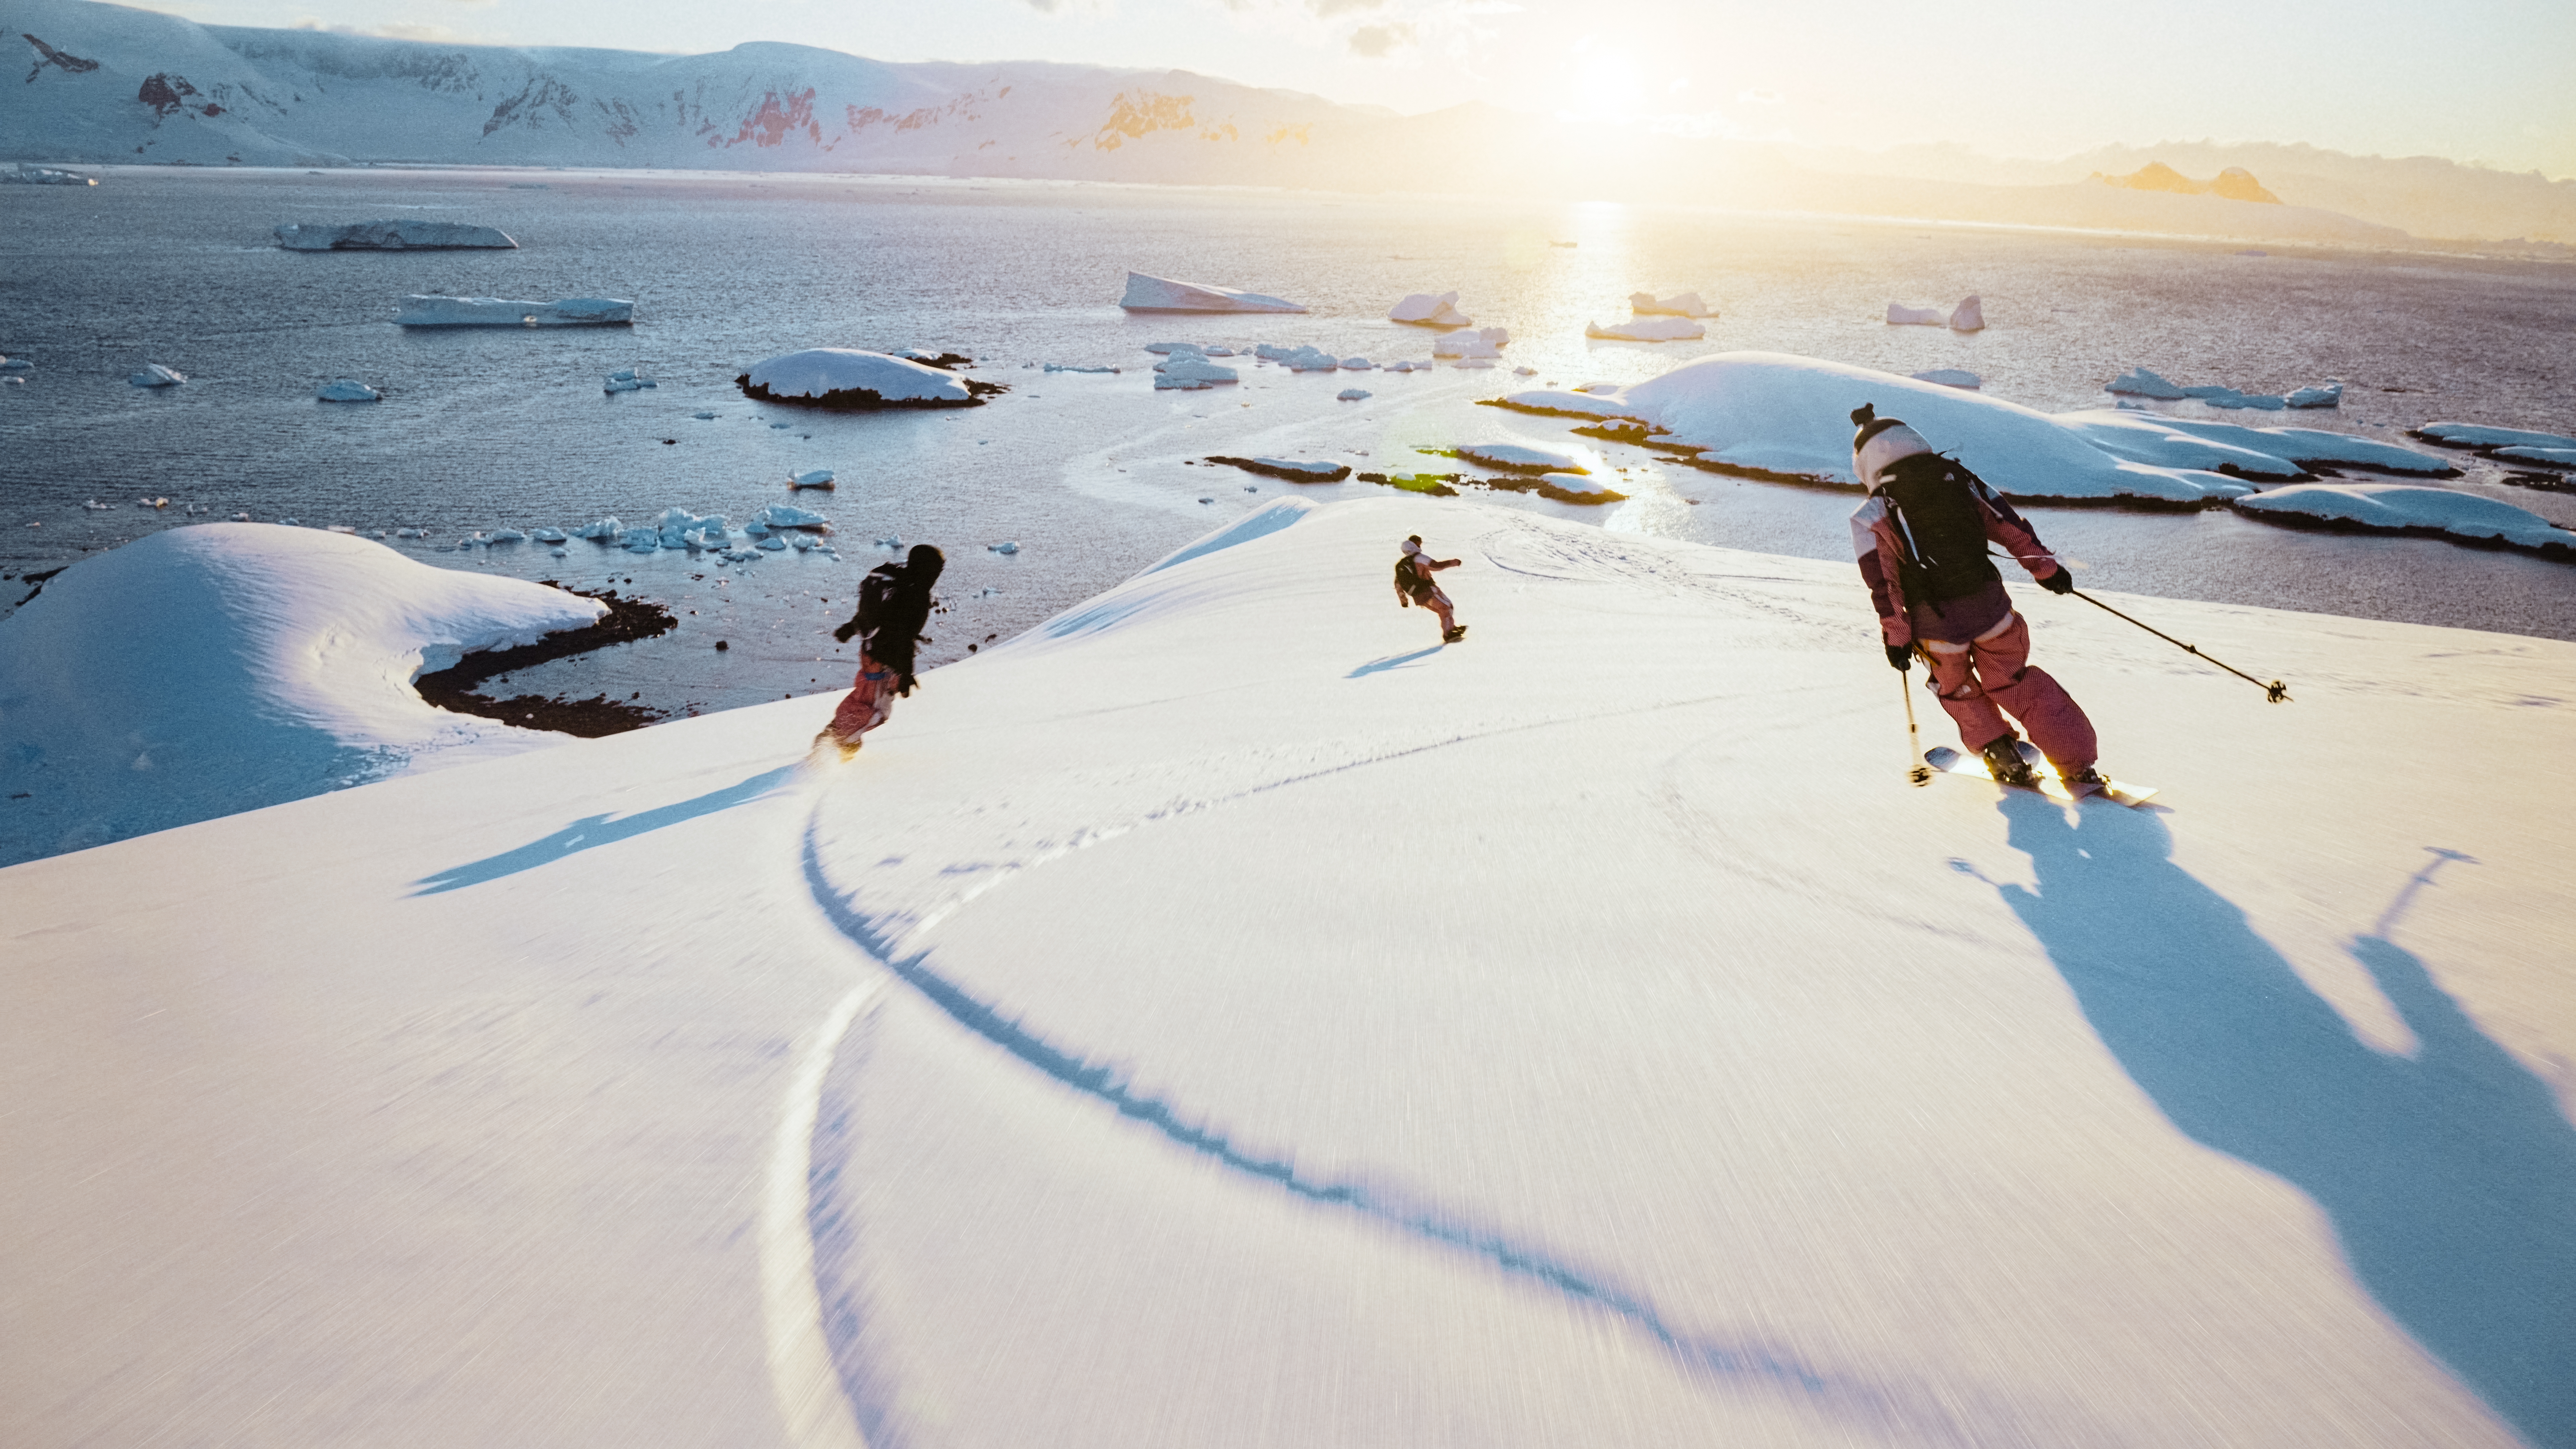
(1979,683)
(869,701)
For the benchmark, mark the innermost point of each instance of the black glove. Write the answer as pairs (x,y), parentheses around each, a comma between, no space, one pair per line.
(2060,582)
(1900,657)
(844,632)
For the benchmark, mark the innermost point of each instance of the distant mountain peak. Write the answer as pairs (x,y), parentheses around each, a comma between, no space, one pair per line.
(2235,183)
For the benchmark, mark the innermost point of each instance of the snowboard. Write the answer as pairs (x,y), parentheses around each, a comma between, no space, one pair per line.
(1953,762)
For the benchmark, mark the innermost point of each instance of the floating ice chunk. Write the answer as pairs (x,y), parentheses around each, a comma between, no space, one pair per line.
(2408,507)
(1351,394)
(1524,372)
(2140,382)
(1519,458)
(1900,315)
(1425,310)
(640,540)
(2228,397)
(390,236)
(26,175)
(1296,470)
(607,527)
(625,380)
(547,535)
(506,535)
(1357,364)
(428,311)
(95,506)
(347,389)
(1952,377)
(1297,359)
(1969,316)
(1165,349)
(704,417)
(2476,435)
(1162,294)
(811,478)
(16,364)
(1680,304)
(1648,329)
(1487,343)
(788,515)
(1219,351)
(1185,373)
(802,541)
(772,542)
(1404,365)
(2546,457)
(555,553)
(1003,547)
(1072,367)
(2322,395)
(847,378)
(1474,363)
(155,375)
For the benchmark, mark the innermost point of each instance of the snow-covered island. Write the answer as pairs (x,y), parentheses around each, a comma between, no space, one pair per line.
(848,379)
(1680,304)
(223,667)
(1773,415)
(1295,470)
(2411,508)
(408,234)
(1162,294)
(1221,995)
(429,311)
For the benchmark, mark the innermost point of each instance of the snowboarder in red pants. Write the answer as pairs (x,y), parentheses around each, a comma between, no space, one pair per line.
(1414,585)
(894,604)
(1922,538)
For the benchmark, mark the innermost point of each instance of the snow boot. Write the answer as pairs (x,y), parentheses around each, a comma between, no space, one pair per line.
(1452,636)
(2004,761)
(2084,781)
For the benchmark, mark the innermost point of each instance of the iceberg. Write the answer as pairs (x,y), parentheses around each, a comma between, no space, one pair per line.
(2409,508)
(1297,359)
(848,379)
(391,236)
(23,174)
(2141,382)
(1421,309)
(1186,373)
(1162,294)
(1680,304)
(625,380)
(155,375)
(1295,470)
(1357,364)
(1969,315)
(2323,395)
(2545,457)
(547,535)
(811,478)
(787,515)
(2481,437)
(347,389)
(1951,377)
(1648,329)
(428,311)
(605,528)
(640,540)
(1074,367)
(1900,315)
(1351,394)
(16,364)
(1487,343)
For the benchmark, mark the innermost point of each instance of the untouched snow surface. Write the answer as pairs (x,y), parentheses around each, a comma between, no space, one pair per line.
(2406,506)
(1161,294)
(408,234)
(226,666)
(1220,1016)
(426,311)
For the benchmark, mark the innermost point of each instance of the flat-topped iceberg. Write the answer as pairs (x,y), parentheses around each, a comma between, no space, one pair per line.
(1189,372)
(1777,415)
(2146,383)
(2409,508)
(1968,316)
(429,311)
(1680,304)
(155,375)
(1297,359)
(811,478)
(1421,309)
(391,236)
(852,380)
(1297,470)
(2251,452)
(347,389)
(2481,437)
(1162,294)
(27,175)
(1647,329)
(787,515)
(625,380)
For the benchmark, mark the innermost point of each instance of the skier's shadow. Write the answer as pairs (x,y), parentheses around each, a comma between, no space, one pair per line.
(2450,1175)
(593,831)
(1392,661)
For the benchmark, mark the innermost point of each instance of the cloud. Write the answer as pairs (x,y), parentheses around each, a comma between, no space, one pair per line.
(1375,41)
(1759,98)
(1327,9)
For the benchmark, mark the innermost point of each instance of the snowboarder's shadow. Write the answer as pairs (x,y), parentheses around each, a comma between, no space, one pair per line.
(1392,661)
(592,831)
(2450,1175)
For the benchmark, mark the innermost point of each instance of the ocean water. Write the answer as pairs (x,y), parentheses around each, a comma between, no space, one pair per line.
(1092,475)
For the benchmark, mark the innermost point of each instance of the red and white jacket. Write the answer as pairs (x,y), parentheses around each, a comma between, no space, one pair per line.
(1875,541)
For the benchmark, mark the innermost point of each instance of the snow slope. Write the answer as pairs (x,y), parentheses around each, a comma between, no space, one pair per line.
(207,670)
(1219,1016)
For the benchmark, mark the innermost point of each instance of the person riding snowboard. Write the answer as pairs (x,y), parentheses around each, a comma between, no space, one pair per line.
(1922,539)
(1413,585)
(894,604)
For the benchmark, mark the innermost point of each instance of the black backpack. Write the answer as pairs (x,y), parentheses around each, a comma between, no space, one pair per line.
(1942,527)
(876,598)
(1408,579)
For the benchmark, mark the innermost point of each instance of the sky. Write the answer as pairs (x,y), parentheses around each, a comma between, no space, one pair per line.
(2480,81)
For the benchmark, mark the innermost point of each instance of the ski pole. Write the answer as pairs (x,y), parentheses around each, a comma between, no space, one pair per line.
(1921,774)
(2275,692)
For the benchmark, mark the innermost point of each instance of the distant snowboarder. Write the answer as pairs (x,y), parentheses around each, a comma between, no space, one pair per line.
(1414,585)
(894,604)
(1922,539)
